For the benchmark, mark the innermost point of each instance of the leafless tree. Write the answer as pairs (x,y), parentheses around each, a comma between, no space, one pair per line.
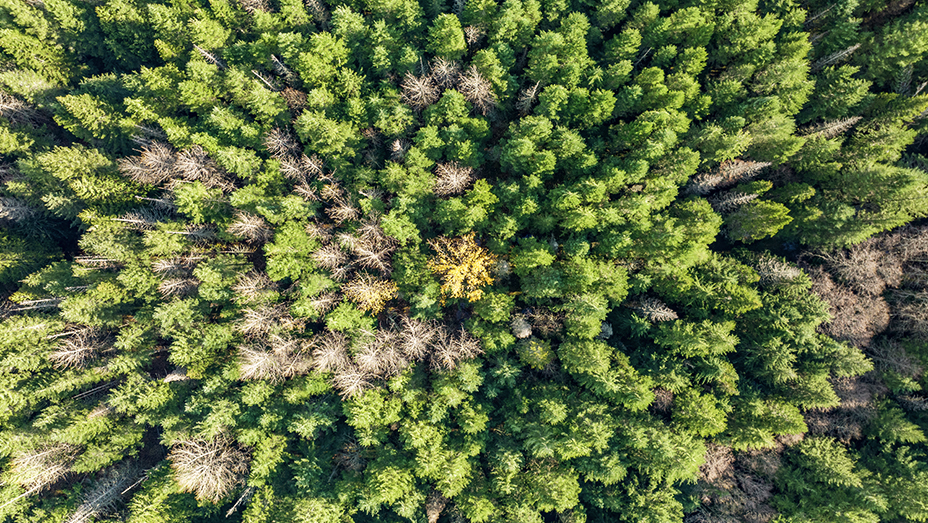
(325,302)
(856,319)
(251,227)
(106,493)
(15,210)
(194,164)
(521,328)
(370,293)
(398,149)
(546,321)
(178,286)
(318,231)
(831,128)
(434,505)
(211,469)
(39,468)
(773,271)
(416,338)
(17,111)
(159,158)
(343,210)
(318,11)
(868,269)
(527,98)
(730,201)
(448,348)
(834,58)
(210,57)
(351,381)
(473,35)
(175,267)
(295,99)
(445,72)
(177,374)
(330,352)
(281,143)
(281,69)
(654,309)
(280,358)
(477,90)
(252,286)
(453,178)
(330,256)
(79,349)
(418,91)
(264,319)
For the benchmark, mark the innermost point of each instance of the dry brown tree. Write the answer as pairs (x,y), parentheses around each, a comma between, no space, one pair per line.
(106,493)
(526,98)
(39,468)
(318,231)
(866,267)
(445,72)
(546,321)
(210,469)
(81,348)
(17,111)
(434,505)
(325,302)
(473,35)
(398,149)
(856,411)
(854,318)
(194,164)
(342,210)
(452,178)
(419,92)
(730,201)
(350,381)
(477,90)
(773,271)
(251,227)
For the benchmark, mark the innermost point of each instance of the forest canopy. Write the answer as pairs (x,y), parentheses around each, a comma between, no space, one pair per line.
(528,261)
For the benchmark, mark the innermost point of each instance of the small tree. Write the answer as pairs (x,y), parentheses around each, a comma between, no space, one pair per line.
(453,178)
(463,265)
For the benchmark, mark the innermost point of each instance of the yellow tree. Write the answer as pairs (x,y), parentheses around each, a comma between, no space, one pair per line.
(463,265)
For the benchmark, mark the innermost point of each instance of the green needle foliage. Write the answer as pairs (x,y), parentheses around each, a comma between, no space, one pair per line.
(419,260)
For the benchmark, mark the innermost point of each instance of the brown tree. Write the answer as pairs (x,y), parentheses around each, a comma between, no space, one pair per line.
(210,469)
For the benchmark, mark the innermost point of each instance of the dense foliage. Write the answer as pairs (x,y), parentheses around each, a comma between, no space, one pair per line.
(536,260)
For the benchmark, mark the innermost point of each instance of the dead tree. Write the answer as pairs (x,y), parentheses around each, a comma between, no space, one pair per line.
(418,91)
(452,178)
(251,227)
(210,469)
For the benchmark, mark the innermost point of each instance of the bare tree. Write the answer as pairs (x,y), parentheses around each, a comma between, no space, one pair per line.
(281,358)
(416,338)
(106,493)
(434,505)
(351,381)
(398,149)
(81,348)
(330,256)
(343,210)
(654,309)
(445,72)
(730,201)
(325,302)
(330,352)
(15,210)
(369,293)
(831,128)
(178,286)
(453,178)
(773,271)
(448,349)
(834,58)
(39,468)
(281,143)
(251,227)
(158,158)
(527,98)
(194,164)
(210,57)
(319,12)
(856,319)
(252,286)
(210,469)
(477,90)
(260,321)
(473,35)
(19,112)
(418,91)
(521,328)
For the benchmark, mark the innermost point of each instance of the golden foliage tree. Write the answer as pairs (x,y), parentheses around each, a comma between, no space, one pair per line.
(463,265)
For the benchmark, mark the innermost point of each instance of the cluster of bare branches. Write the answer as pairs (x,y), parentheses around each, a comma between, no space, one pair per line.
(251,227)
(262,320)
(452,178)
(856,411)
(526,98)
(855,318)
(253,286)
(178,275)
(274,359)
(774,272)
(726,175)
(81,347)
(735,489)
(210,469)
(653,309)
(210,57)
(39,468)
(106,493)
(422,91)
(369,293)
(730,201)
(19,112)
(544,321)
(145,218)
(159,163)
(388,352)
(831,128)
(15,210)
